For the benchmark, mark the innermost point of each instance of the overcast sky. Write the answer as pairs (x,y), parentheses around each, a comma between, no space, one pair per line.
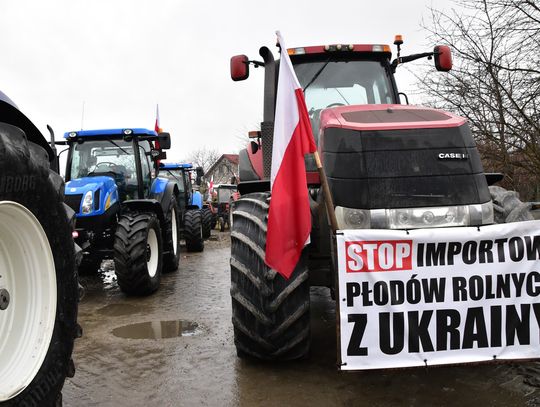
(122,57)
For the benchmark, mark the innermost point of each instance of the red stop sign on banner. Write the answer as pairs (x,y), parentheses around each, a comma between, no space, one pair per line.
(374,255)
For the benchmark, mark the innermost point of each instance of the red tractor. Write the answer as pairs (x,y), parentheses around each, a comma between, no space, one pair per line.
(385,162)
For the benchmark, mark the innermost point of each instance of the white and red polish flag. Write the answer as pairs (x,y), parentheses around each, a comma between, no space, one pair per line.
(157,127)
(289,219)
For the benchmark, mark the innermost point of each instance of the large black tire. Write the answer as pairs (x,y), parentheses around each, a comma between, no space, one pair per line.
(206,222)
(26,178)
(193,231)
(132,252)
(507,207)
(270,314)
(171,255)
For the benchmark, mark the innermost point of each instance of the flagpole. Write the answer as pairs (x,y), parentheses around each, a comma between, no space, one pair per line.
(326,193)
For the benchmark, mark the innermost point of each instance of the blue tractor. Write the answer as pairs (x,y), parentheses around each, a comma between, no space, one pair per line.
(190,199)
(124,211)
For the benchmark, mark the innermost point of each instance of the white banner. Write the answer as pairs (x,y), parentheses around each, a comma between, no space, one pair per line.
(439,296)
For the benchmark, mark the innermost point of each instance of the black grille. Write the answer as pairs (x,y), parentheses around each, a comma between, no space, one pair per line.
(267,139)
(403,168)
(73,201)
(97,196)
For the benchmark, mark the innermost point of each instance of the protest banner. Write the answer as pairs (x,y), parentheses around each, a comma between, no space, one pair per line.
(439,296)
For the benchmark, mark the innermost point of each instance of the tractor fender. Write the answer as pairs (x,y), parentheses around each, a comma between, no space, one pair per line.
(248,187)
(163,191)
(250,165)
(146,205)
(158,186)
(196,200)
(10,114)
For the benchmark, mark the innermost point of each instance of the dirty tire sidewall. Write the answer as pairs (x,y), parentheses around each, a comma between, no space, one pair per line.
(507,207)
(172,258)
(25,178)
(206,222)
(270,314)
(131,253)
(193,234)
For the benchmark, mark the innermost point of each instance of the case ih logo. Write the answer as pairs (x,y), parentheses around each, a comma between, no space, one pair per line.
(389,255)
(453,156)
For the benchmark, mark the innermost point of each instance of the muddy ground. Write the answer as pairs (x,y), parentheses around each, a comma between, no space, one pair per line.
(193,360)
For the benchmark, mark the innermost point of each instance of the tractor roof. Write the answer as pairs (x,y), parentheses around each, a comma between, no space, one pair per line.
(111,132)
(175,166)
(341,48)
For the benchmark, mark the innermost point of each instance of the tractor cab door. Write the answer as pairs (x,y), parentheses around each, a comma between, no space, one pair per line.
(146,171)
(182,192)
(187,186)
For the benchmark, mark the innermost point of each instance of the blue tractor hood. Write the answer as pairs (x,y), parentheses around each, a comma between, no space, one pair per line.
(102,188)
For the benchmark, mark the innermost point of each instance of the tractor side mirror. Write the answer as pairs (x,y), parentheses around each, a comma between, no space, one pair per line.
(164,141)
(239,68)
(200,173)
(254,147)
(157,155)
(443,58)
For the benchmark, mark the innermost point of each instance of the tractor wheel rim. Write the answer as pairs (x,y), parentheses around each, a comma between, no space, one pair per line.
(153,253)
(28,275)
(174,231)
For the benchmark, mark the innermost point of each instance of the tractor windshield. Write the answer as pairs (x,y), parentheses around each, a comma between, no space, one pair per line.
(339,82)
(103,157)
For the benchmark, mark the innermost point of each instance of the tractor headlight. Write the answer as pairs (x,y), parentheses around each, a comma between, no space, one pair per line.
(410,218)
(415,218)
(350,218)
(88,202)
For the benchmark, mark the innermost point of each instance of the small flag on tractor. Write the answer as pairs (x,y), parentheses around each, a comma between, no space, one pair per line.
(157,128)
(211,186)
(289,219)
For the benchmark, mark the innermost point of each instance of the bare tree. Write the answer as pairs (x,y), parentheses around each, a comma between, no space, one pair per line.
(495,83)
(203,157)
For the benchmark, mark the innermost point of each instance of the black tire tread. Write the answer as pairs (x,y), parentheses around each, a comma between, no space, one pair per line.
(192,230)
(130,253)
(170,259)
(270,314)
(206,222)
(43,196)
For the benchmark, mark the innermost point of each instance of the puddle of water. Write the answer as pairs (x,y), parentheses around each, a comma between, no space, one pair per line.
(158,330)
(115,310)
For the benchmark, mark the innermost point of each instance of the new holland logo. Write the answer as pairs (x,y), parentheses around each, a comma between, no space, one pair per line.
(453,156)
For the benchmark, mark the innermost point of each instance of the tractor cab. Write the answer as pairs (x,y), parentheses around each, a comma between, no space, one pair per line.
(125,156)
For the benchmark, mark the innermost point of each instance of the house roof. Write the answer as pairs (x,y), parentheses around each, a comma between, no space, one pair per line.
(232,158)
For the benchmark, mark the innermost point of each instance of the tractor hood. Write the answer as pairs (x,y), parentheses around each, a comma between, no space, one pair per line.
(104,192)
(387,117)
(399,156)
(83,185)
